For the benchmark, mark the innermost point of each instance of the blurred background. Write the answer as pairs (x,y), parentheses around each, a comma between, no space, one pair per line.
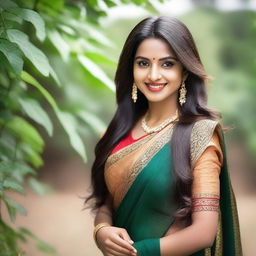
(58,61)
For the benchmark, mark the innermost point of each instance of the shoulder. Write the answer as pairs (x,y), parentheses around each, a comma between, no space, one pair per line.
(201,135)
(205,126)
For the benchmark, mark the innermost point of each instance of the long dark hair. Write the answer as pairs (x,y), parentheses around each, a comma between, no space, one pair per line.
(177,35)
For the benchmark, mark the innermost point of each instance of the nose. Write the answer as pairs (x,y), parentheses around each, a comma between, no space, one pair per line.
(154,73)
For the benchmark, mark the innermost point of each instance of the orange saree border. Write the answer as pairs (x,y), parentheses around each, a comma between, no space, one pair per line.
(133,158)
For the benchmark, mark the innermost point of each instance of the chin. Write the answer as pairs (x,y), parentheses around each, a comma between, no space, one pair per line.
(156,99)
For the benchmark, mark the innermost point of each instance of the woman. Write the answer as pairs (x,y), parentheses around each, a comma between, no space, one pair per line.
(160,178)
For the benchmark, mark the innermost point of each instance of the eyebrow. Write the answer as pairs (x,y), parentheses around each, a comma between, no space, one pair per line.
(164,58)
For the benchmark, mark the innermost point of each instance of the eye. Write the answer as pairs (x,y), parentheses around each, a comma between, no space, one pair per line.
(168,64)
(142,63)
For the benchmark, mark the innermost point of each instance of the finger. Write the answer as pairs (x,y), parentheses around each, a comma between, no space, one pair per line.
(123,243)
(117,253)
(126,236)
(121,250)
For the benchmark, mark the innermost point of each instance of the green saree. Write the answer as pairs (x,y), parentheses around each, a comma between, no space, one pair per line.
(143,206)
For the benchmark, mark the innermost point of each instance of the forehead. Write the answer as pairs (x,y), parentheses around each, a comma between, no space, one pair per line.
(154,48)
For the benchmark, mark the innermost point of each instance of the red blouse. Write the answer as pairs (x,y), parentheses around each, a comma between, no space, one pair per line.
(126,141)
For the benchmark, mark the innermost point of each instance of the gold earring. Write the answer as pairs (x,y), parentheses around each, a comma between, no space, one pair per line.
(183,92)
(134,93)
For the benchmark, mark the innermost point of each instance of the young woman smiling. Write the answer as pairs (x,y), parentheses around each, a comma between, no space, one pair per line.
(160,179)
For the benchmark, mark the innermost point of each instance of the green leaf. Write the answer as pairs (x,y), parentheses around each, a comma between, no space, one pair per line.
(69,124)
(7,4)
(110,3)
(4,80)
(97,35)
(93,121)
(60,44)
(13,207)
(56,5)
(26,232)
(68,30)
(1,188)
(11,17)
(44,247)
(13,55)
(39,187)
(100,58)
(30,155)
(15,169)
(21,170)
(41,245)
(54,75)
(12,184)
(36,56)
(26,132)
(31,80)
(33,17)
(138,2)
(34,110)
(96,71)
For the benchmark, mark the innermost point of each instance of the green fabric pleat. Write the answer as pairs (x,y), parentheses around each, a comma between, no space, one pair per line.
(148,247)
(145,212)
(139,212)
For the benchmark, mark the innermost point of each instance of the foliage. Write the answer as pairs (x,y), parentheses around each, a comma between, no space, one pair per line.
(32,34)
(226,43)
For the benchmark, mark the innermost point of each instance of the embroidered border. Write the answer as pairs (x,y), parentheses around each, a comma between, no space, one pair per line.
(206,195)
(202,132)
(205,202)
(126,150)
(147,156)
(219,238)
(238,245)
(207,252)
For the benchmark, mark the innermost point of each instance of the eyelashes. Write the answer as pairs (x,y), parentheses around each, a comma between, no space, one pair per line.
(143,63)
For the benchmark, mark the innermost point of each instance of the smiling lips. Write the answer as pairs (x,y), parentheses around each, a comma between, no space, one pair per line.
(155,87)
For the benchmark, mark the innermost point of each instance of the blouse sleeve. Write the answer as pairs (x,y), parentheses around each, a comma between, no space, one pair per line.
(206,183)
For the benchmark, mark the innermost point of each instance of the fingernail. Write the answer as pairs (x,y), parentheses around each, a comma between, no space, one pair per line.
(131,241)
(135,250)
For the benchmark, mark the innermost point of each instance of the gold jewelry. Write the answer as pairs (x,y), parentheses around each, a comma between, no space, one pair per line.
(97,228)
(183,92)
(134,93)
(159,127)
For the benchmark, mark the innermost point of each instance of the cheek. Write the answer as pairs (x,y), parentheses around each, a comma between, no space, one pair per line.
(173,75)
(139,73)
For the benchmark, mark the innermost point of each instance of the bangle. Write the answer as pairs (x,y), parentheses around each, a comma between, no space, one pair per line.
(97,228)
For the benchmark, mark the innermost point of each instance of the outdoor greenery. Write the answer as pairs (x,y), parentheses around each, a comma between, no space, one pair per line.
(56,73)
(34,34)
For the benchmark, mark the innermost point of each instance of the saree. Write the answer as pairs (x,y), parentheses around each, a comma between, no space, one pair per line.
(142,198)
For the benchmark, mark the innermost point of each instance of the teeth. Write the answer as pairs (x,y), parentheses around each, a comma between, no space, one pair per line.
(156,86)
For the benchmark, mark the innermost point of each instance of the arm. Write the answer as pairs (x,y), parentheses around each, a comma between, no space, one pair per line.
(181,240)
(199,235)
(112,240)
(104,213)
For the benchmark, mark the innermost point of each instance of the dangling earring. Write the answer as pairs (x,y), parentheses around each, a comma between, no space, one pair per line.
(183,92)
(134,93)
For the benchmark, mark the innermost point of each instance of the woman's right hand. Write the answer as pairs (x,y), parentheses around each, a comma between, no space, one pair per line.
(115,241)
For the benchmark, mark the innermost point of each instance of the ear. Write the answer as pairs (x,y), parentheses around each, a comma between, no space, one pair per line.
(185,75)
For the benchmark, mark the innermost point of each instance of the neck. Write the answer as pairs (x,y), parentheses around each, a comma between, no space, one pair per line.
(160,111)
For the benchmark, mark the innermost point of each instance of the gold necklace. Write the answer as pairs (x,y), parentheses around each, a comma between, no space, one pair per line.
(147,129)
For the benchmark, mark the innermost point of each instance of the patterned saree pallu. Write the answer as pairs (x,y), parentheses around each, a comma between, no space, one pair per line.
(139,178)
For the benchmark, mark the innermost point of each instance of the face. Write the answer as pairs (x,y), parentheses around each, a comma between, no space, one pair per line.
(157,72)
